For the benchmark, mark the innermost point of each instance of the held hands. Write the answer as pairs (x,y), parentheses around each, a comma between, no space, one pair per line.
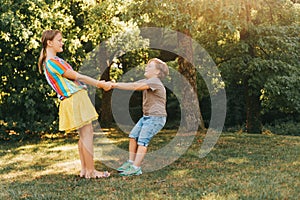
(113,84)
(106,85)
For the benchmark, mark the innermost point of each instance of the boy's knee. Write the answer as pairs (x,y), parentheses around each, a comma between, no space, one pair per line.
(143,142)
(133,139)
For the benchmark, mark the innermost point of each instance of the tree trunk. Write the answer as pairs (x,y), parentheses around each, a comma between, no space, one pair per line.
(106,117)
(189,72)
(253,121)
(103,60)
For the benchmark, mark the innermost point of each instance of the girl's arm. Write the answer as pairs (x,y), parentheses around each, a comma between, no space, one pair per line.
(131,86)
(73,75)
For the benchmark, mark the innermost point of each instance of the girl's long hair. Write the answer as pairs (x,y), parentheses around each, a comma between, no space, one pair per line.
(47,35)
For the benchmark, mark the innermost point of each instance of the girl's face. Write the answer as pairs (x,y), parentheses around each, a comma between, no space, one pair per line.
(151,71)
(57,43)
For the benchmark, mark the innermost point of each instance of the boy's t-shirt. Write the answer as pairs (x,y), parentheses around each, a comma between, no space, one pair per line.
(154,99)
(54,70)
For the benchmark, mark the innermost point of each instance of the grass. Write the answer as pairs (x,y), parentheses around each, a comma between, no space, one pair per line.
(241,166)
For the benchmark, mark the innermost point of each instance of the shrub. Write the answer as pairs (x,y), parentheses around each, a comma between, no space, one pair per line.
(284,127)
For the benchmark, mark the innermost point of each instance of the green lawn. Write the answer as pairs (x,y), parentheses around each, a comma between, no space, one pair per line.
(241,166)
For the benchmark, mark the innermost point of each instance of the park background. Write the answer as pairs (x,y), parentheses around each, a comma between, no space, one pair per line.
(254,44)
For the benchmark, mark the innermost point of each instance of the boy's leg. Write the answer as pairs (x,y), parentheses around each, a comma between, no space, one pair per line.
(135,169)
(132,153)
(140,154)
(133,136)
(150,127)
(132,149)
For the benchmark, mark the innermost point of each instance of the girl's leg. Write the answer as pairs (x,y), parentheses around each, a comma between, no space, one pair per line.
(86,137)
(132,149)
(82,160)
(86,134)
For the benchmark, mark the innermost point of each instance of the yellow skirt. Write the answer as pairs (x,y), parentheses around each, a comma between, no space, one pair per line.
(76,111)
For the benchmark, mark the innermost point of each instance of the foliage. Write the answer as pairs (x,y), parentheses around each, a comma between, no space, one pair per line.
(284,127)
(255,44)
(255,47)
(28,104)
(243,39)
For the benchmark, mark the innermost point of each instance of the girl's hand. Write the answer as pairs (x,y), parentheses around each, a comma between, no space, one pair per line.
(105,85)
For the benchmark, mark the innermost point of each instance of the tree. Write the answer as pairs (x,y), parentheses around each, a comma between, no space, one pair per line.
(254,43)
(179,16)
(28,104)
(110,39)
(246,40)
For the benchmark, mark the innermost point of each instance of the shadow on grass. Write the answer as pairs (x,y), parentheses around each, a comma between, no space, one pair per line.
(48,139)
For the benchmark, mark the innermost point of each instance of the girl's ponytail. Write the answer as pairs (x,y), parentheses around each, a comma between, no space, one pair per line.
(42,58)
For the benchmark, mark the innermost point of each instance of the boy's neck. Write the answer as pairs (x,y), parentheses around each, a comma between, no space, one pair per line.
(151,77)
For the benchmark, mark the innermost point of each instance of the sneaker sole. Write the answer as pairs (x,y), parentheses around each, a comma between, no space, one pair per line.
(120,170)
(131,174)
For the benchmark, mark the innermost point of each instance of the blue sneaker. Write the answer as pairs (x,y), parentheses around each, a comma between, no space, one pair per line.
(130,171)
(125,165)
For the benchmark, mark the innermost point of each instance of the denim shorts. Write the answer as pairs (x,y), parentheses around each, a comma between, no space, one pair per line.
(146,128)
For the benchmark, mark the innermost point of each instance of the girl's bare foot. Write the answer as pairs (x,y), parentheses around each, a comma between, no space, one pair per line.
(97,174)
(82,173)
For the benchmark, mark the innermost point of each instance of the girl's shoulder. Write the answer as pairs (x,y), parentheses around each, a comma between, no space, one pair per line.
(56,58)
(52,59)
(58,62)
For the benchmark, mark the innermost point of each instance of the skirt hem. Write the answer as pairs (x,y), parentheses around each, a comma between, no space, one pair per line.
(79,126)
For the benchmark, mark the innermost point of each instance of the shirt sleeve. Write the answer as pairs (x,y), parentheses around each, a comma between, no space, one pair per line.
(58,66)
(153,83)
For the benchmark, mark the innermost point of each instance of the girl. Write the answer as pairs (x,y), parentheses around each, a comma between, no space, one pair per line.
(76,111)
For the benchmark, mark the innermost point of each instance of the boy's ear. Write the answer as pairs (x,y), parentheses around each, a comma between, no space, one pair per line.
(157,71)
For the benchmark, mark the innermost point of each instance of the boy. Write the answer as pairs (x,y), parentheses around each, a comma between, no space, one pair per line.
(154,114)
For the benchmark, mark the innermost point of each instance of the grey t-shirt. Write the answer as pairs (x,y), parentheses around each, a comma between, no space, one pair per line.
(154,99)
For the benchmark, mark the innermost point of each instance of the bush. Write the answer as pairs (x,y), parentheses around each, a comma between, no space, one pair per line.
(284,127)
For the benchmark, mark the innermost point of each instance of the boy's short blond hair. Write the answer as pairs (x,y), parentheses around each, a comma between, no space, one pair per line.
(162,66)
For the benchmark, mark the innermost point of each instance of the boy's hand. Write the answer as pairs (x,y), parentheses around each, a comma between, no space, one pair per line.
(104,85)
(113,84)
(107,86)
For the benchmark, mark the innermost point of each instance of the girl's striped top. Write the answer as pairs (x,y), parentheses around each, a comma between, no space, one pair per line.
(54,70)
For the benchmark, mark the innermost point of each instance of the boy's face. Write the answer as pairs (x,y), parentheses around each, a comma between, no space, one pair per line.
(151,71)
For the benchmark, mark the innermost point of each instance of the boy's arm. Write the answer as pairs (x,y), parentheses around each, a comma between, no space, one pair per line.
(131,86)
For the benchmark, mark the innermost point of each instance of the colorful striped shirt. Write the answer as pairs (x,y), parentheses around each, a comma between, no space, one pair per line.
(54,70)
